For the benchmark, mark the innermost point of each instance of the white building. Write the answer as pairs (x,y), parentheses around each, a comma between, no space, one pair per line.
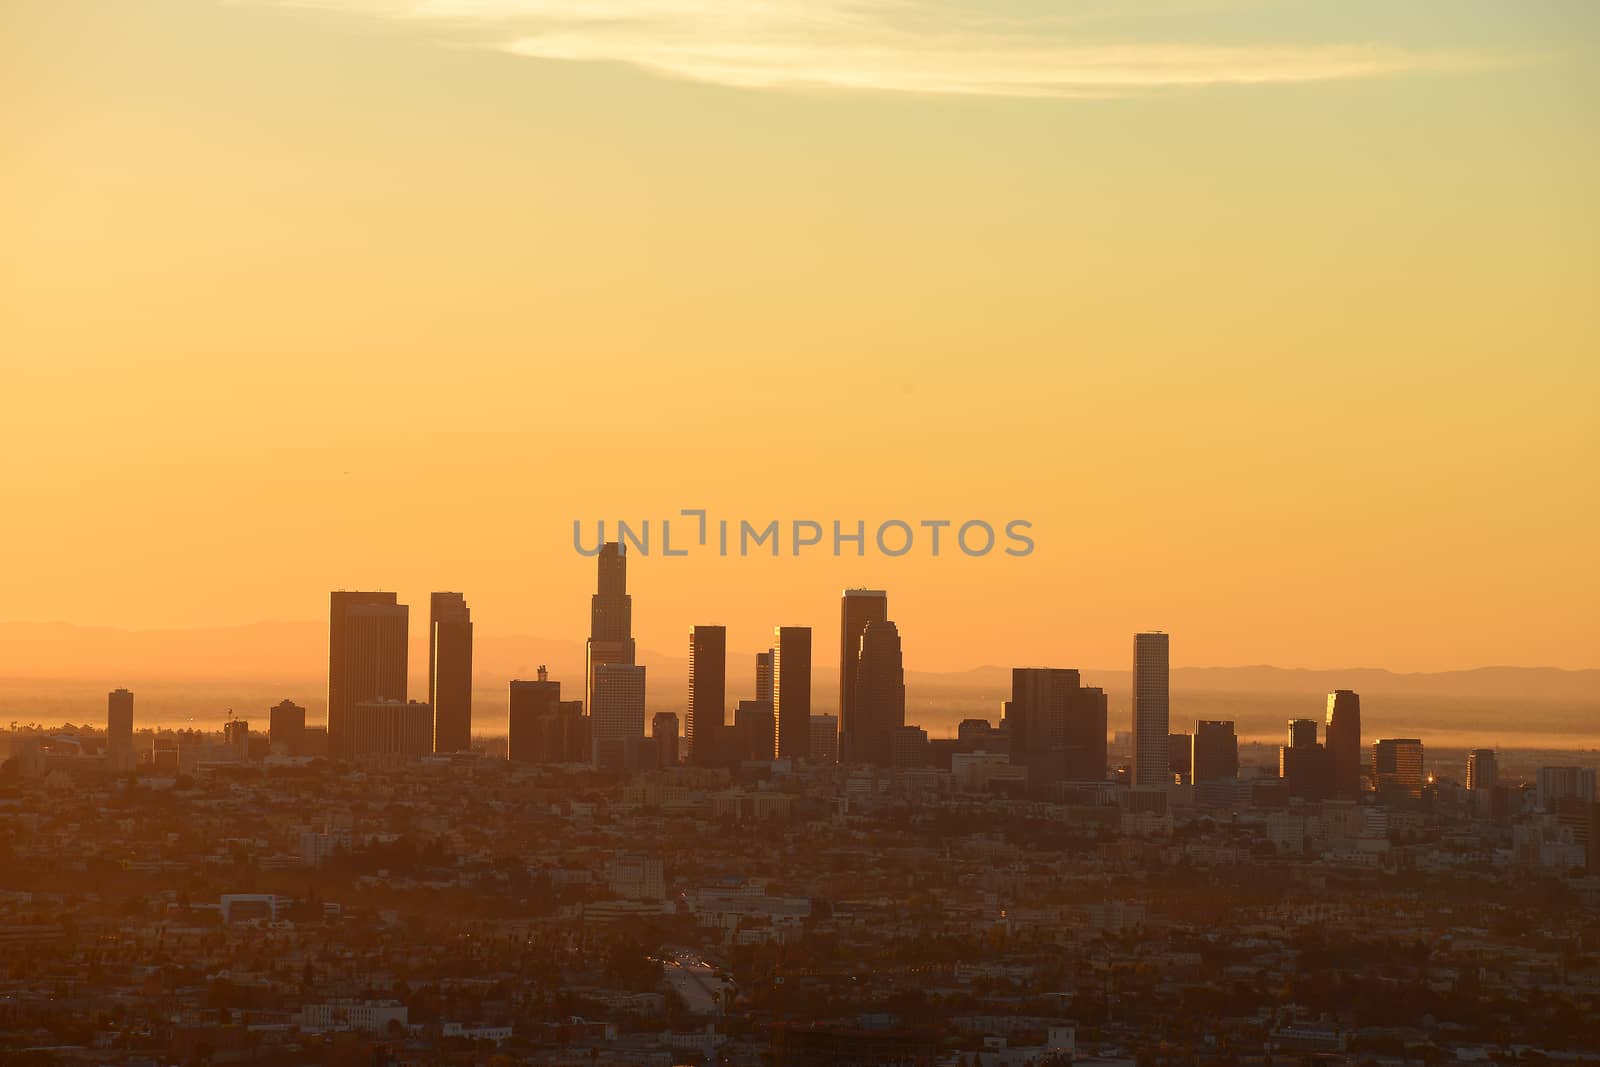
(372,1016)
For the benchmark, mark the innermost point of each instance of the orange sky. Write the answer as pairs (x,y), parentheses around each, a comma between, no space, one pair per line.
(1300,368)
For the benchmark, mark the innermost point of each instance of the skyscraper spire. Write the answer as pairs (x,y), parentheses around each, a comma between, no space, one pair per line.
(610,617)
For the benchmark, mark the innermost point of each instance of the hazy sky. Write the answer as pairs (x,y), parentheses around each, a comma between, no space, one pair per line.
(1277,320)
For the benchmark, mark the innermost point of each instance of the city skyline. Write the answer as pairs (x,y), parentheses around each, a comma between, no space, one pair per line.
(442,437)
(381,621)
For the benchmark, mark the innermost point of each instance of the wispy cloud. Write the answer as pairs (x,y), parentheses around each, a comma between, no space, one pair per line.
(913,46)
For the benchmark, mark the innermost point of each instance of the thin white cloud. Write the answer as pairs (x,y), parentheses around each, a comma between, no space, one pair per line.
(913,46)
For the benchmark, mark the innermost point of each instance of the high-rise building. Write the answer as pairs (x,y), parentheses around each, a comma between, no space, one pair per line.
(236,735)
(533,721)
(1556,784)
(616,714)
(1483,769)
(764,676)
(879,707)
(1180,756)
(286,728)
(1216,751)
(1057,726)
(857,609)
(664,732)
(1397,766)
(1151,710)
(1302,733)
(119,731)
(757,729)
(1303,763)
(791,690)
(574,733)
(543,727)
(610,618)
(450,672)
(976,735)
(824,739)
(1343,740)
(708,682)
(367,648)
(1306,771)
(391,728)
(908,747)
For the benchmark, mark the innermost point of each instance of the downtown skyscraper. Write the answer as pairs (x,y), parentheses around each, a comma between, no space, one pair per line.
(286,728)
(1215,752)
(880,696)
(764,676)
(119,731)
(610,619)
(708,684)
(450,672)
(1303,763)
(1342,737)
(1057,726)
(1397,767)
(616,715)
(1151,710)
(367,651)
(543,727)
(857,609)
(791,690)
(1483,768)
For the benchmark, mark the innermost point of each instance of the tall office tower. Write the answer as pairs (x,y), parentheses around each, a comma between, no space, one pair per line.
(1302,733)
(1483,769)
(708,682)
(1343,740)
(573,733)
(610,618)
(366,657)
(1180,756)
(791,690)
(119,731)
(391,728)
(450,671)
(533,721)
(1057,726)
(286,728)
(616,714)
(1216,751)
(857,609)
(880,696)
(757,729)
(664,732)
(1303,763)
(236,735)
(1151,711)
(764,676)
(1306,770)
(824,739)
(1397,766)
(1556,784)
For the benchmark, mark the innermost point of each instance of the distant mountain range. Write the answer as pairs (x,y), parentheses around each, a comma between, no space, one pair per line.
(293,655)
